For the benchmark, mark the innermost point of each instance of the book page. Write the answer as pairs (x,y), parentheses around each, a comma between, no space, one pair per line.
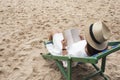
(75,35)
(72,36)
(68,36)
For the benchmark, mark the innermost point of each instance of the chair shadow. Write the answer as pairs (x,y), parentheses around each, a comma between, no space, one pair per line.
(78,72)
(82,70)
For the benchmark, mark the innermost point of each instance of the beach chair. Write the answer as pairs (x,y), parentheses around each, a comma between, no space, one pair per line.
(114,46)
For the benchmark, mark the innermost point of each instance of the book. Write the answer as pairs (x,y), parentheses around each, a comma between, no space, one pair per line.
(72,36)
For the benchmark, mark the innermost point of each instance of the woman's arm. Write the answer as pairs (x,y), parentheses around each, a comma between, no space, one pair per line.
(64,44)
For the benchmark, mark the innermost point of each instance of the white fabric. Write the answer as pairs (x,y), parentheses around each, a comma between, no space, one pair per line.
(57,38)
(56,47)
(78,49)
(75,50)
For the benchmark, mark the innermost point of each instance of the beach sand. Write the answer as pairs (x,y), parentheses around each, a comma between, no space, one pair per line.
(25,24)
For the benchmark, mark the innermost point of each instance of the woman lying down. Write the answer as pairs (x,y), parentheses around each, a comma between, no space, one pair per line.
(96,35)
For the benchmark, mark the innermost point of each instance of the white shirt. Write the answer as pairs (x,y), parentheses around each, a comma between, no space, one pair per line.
(75,50)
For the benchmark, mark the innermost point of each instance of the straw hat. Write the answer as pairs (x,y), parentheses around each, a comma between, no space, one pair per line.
(97,35)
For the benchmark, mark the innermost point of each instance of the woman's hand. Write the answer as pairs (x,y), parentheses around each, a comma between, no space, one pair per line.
(64,44)
(64,52)
(81,37)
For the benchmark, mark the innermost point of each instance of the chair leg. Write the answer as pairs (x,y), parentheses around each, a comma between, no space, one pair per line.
(67,74)
(98,71)
(103,64)
(95,66)
(102,70)
(69,70)
(91,75)
(105,78)
(60,66)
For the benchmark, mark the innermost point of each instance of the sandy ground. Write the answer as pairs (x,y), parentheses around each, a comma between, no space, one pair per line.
(25,24)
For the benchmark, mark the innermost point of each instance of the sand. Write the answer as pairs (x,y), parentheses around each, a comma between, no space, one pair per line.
(25,24)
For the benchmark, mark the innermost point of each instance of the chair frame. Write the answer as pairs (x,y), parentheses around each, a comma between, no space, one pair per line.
(115,46)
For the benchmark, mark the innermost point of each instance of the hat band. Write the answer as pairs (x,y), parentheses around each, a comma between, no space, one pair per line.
(92,35)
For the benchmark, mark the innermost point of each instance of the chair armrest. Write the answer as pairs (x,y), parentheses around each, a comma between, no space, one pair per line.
(113,43)
(107,52)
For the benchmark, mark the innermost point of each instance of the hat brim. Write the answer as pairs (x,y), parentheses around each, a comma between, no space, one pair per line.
(95,45)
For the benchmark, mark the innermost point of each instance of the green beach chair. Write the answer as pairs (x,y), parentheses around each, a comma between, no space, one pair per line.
(114,46)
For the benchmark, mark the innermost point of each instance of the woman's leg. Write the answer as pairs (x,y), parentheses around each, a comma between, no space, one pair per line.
(50,37)
(56,36)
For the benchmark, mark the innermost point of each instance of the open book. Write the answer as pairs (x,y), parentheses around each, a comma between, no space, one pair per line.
(72,36)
